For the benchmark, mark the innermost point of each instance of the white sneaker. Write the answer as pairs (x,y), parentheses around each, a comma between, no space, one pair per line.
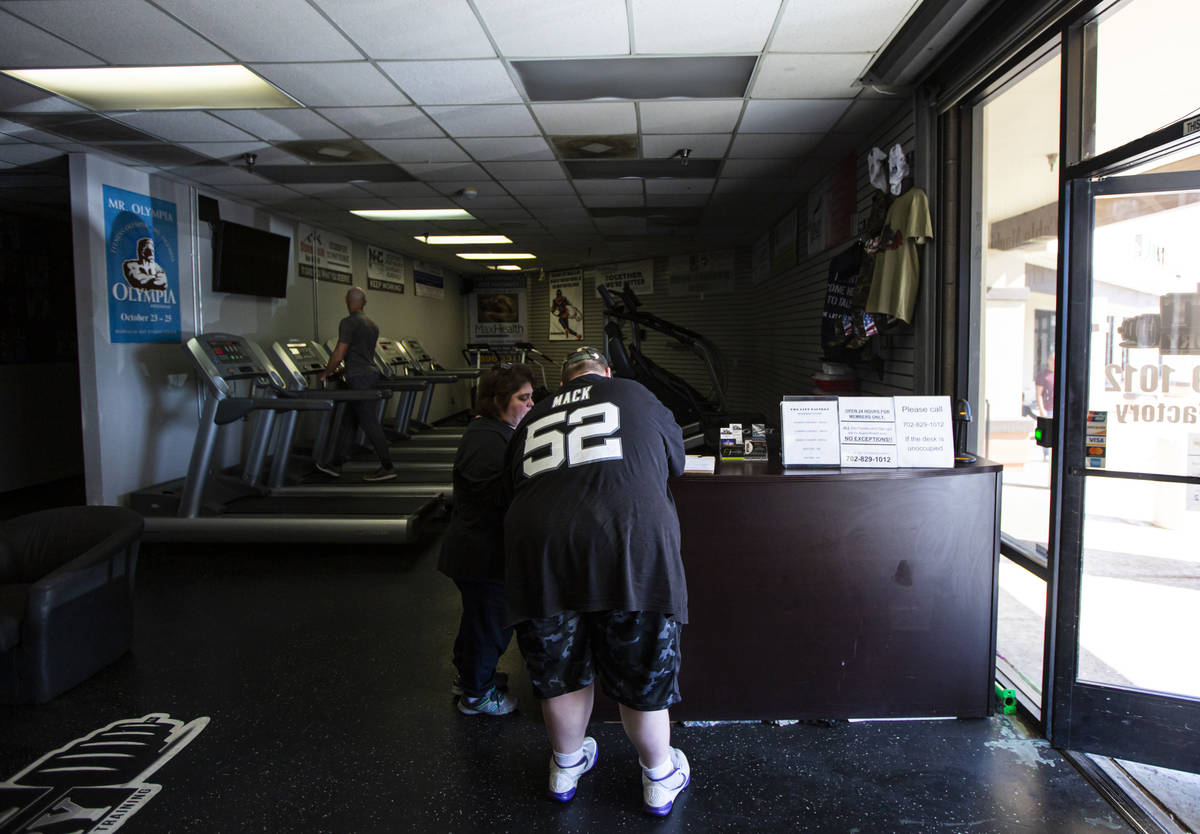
(658,795)
(563,780)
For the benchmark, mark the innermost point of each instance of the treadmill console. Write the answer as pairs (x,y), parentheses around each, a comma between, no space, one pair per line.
(391,353)
(419,355)
(224,357)
(305,355)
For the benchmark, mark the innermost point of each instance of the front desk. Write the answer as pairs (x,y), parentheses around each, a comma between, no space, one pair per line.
(843,593)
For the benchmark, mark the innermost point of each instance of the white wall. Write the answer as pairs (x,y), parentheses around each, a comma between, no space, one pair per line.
(140,402)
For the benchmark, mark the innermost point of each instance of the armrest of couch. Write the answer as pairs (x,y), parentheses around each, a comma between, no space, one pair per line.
(69,538)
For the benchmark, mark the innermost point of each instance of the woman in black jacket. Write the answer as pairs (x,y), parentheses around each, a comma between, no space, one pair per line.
(473,547)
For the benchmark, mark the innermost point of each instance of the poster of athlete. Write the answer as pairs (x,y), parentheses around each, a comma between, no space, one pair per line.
(566,305)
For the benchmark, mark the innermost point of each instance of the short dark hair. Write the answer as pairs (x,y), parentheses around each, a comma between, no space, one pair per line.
(500,383)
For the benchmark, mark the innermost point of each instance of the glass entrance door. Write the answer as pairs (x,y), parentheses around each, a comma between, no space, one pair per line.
(1127,640)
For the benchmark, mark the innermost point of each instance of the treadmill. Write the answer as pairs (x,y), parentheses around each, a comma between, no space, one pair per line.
(420,360)
(208,506)
(299,361)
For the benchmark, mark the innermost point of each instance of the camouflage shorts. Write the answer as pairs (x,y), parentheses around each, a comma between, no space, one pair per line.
(634,653)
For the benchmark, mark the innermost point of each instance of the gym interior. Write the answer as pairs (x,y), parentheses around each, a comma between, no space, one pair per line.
(1003,644)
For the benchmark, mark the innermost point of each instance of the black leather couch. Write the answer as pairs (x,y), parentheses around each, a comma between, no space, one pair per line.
(66,597)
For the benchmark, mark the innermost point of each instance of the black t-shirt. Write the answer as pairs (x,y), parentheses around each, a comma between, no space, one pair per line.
(592,525)
(473,546)
(361,334)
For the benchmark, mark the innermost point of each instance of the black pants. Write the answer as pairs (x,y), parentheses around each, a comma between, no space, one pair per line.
(362,414)
(482,635)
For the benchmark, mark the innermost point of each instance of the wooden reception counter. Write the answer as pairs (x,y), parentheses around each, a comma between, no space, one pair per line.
(843,593)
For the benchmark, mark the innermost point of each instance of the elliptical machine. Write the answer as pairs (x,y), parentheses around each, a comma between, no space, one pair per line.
(683,399)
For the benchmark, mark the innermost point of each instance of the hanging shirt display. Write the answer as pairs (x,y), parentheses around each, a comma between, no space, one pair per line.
(897,265)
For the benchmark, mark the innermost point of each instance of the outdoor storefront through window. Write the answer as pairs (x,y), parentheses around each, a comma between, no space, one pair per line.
(1018,271)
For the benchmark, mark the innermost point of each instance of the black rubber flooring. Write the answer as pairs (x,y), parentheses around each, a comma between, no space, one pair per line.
(324,677)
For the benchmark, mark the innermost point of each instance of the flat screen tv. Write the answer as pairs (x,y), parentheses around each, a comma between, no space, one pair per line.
(250,261)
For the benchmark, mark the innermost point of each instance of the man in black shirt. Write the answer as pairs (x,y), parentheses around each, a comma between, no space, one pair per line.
(357,336)
(594,578)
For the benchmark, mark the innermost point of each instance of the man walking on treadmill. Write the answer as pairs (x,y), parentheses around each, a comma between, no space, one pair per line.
(357,337)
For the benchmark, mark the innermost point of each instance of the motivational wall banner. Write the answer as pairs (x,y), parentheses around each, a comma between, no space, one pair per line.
(325,256)
(637,275)
(142,260)
(385,270)
(566,304)
(428,280)
(496,310)
(705,272)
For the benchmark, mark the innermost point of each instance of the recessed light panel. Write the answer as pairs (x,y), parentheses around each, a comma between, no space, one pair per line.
(718,76)
(213,87)
(495,256)
(465,240)
(413,214)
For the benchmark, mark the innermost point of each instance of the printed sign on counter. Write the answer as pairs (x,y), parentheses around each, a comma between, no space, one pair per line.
(809,426)
(867,428)
(924,434)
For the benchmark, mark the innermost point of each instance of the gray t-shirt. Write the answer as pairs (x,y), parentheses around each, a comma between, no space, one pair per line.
(361,334)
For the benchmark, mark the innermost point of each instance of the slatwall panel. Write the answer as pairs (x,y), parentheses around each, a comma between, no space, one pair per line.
(768,334)
(785,314)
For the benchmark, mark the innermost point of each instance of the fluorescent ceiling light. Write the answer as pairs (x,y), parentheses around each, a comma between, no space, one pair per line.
(213,87)
(413,214)
(436,240)
(508,267)
(495,256)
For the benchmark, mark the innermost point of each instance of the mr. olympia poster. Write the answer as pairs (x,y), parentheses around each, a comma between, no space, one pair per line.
(142,260)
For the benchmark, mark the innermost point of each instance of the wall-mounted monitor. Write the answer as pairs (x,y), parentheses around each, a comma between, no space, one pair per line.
(250,261)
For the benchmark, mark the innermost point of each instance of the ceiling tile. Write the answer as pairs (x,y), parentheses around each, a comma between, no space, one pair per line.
(382,122)
(325,190)
(25,45)
(363,203)
(563,214)
(484,186)
(758,168)
(564,28)
(261,193)
(16,132)
(421,202)
(283,125)
(265,30)
(271,155)
(690,116)
(453,82)
(353,84)
(183,125)
(575,119)
(217,174)
(701,144)
(631,186)
(523,148)
(786,75)
(26,153)
(702,26)
(447,171)
(226,150)
(736,185)
(677,199)
(679,186)
(773,145)
(609,200)
(778,116)
(550,201)
(479,204)
(525,170)
(419,150)
(839,25)
(486,120)
(159,38)
(400,189)
(412,28)
(523,188)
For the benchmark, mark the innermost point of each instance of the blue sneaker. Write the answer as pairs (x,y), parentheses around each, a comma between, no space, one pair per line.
(658,795)
(494,702)
(456,688)
(563,780)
